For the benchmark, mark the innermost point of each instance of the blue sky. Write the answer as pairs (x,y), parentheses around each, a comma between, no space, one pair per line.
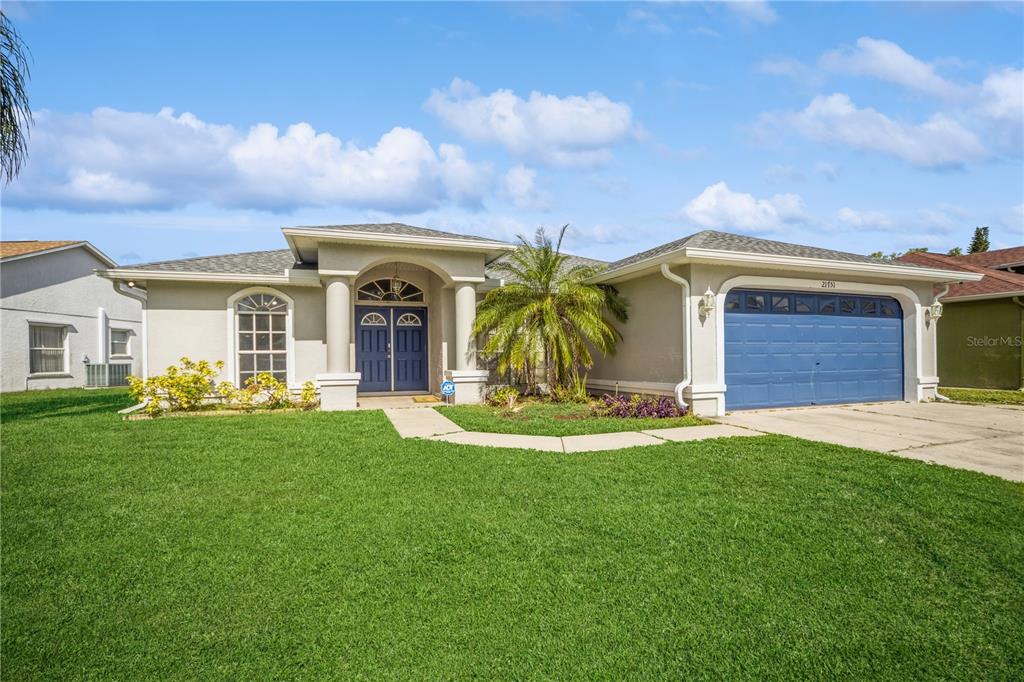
(170,130)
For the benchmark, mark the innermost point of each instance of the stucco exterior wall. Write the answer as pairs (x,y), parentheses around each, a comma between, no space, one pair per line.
(191,319)
(357,259)
(61,288)
(980,344)
(649,358)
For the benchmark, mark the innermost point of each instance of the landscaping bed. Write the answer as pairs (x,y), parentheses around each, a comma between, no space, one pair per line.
(983,395)
(323,546)
(540,418)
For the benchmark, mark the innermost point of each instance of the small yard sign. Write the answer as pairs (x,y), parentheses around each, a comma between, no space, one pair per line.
(447,389)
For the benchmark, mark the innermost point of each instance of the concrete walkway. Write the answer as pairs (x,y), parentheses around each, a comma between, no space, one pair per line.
(425,422)
(985,438)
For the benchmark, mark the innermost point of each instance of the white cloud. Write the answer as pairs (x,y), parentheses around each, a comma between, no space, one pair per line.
(644,19)
(561,131)
(789,68)
(112,159)
(781,174)
(753,11)
(939,141)
(827,170)
(889,62)
(867,220)
(520,187)
(718,207)
(1001,107)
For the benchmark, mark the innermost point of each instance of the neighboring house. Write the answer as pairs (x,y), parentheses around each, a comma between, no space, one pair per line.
(982,329)
(721,320)
(57,316)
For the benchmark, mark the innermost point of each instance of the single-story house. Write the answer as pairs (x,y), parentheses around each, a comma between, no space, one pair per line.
(980,338)
(63,327)
(722,321)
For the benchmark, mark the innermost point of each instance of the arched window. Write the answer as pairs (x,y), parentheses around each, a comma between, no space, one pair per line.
(409,320)
(373,320)
(262,336)
(392,289)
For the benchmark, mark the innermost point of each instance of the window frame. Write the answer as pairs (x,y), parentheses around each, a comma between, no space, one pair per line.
(233,365)
(65,350)
(416,296)
(127,354)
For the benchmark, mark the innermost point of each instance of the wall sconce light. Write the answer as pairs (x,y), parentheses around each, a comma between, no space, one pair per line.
(934,311)
(707,302)
(131,284)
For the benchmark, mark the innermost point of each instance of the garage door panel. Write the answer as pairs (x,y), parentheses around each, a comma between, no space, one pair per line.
(784,358)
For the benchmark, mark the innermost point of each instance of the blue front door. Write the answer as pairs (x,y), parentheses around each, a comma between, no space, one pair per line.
(794,348)
(373,348)
(410,325)
(391,348)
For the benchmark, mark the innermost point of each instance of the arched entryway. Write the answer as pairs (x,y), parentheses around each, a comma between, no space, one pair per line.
(392,335)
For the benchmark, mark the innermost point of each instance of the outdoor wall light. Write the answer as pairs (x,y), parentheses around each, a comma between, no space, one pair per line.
(707,302)
(934,311)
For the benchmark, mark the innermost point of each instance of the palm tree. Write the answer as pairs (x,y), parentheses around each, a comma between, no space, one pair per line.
(15,114)
(547,315)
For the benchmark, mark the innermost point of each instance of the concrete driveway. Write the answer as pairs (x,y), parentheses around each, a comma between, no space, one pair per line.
(985,438)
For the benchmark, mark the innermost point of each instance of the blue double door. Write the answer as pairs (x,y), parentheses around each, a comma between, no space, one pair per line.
(391,348)
(794,348)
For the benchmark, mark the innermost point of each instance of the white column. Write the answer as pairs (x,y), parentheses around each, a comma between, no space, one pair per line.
(465,317)
(102,343)
(339,325)
(339,385)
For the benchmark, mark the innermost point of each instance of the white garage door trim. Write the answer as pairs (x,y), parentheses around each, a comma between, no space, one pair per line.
(909,301)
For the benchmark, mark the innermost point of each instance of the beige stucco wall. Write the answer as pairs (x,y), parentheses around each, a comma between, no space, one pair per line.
(650,357)
(190,319)
(357,258)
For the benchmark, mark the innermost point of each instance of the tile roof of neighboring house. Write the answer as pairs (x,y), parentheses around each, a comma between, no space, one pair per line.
(724,241)
(21,248)
(399,229)
(994,282)
(997,258)
(251,263)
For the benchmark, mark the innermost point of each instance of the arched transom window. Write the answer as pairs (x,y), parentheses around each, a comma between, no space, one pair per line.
(262,336)
(373,320)
(392,289)
(409,320)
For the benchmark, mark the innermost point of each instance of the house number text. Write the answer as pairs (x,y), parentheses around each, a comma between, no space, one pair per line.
(828,284)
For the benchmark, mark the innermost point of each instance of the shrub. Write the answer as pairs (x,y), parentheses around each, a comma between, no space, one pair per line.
(574,392)
(182,388)
(308,399)
(638,406)
(506,396)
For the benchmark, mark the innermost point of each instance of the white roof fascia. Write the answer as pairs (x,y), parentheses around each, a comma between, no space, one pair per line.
(85,245)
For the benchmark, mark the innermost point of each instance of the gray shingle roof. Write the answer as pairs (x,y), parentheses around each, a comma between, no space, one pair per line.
(400,229)
(251,263)
(724,241)
(570,262)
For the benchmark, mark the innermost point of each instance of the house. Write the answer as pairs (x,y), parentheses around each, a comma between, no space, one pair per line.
(60,322)
(722,321)
(983,325)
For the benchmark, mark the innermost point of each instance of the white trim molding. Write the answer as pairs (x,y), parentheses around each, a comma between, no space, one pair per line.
(627,386)
(914,381)
(231,362)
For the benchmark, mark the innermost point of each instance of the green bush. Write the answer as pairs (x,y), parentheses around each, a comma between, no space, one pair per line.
(182,388)
(506,396)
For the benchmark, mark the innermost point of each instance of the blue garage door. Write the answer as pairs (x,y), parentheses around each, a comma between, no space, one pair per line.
(787,348)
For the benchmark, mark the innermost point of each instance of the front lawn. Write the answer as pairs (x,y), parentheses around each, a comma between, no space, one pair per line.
(983,395)
(553,419)
(320,545)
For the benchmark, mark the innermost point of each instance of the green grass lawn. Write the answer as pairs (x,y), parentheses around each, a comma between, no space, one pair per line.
(553,419)
(983,395)
(320,545)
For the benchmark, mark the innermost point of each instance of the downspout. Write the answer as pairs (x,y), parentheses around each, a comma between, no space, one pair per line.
(1018,301)
(939,396)
(687,337)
